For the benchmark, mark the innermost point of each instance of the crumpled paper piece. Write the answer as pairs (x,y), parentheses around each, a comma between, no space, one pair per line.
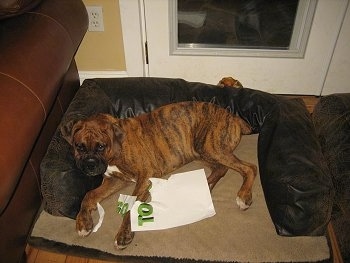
(182,199)
(125,202)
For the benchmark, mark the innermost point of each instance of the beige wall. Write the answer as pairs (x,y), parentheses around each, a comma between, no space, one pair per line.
(103,51)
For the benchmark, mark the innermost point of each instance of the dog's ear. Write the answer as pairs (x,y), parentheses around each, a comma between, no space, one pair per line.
(118,137)
(67,130)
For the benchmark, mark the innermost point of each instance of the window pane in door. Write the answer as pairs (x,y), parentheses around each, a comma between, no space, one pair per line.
(237,23)
(256,25)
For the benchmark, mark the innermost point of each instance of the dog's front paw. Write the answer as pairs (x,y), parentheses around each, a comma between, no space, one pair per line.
(123,239)
(84,223)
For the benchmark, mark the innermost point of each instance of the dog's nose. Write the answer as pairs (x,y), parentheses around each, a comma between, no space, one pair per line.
(91,164)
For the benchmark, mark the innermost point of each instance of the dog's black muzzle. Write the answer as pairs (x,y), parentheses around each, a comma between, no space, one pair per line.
(92,166)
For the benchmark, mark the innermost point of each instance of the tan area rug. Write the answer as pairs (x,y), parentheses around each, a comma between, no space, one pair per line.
(229,236)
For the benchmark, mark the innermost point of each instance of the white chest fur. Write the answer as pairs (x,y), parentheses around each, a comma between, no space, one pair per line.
(111,169)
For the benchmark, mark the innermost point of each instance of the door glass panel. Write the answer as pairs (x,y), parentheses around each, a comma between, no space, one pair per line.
(240,27)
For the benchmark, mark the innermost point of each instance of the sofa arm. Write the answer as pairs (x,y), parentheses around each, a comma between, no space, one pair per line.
(37,49)
(332,124)
(11,8)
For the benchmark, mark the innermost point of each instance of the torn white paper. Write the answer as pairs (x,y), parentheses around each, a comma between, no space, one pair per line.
(125,202)
(101,213)
(182,199)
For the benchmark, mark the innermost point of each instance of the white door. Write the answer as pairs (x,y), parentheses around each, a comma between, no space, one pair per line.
(338,76)
(148,21)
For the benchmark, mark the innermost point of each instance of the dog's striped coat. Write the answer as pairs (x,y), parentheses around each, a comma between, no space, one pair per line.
(153,145)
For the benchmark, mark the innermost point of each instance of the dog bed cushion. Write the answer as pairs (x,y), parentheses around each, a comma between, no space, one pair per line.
(295,181)
(231,235)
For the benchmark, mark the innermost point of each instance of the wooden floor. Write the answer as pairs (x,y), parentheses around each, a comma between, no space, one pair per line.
(35,255)
(310,101)
(40,256)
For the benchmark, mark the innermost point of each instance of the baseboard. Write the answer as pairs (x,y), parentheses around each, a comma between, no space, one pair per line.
(101,74)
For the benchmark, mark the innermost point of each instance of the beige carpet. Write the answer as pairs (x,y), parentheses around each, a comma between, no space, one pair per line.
(230,236)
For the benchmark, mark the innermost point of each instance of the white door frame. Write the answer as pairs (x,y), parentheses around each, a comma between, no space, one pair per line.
(134,37)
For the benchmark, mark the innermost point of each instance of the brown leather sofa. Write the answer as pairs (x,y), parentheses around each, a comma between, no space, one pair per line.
(38,78)
(332,125)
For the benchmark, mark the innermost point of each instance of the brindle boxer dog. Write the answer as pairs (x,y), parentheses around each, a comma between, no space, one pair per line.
(153,145)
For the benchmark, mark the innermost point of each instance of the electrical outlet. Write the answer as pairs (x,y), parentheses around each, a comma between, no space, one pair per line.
(95,18)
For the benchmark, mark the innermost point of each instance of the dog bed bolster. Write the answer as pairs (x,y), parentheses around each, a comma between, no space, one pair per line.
(293,172)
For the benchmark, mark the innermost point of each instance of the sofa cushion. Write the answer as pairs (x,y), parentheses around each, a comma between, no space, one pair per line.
(9,8)
(297,188)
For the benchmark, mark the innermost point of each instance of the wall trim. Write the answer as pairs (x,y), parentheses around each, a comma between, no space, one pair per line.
(101,74)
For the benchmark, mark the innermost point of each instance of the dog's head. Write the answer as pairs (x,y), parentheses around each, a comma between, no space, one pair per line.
(95,140)
(230,82)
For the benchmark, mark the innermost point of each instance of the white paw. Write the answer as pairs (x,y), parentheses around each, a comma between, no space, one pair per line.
(83,233)
(119,247)
(242,205)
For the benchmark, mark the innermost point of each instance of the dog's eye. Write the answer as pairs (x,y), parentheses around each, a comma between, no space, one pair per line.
(100,148)
(80,147)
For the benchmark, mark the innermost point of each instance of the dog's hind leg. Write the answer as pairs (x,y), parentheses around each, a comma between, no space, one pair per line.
(248,171)
(217,172)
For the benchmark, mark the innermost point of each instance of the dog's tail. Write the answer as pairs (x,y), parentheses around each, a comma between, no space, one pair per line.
(246,129)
